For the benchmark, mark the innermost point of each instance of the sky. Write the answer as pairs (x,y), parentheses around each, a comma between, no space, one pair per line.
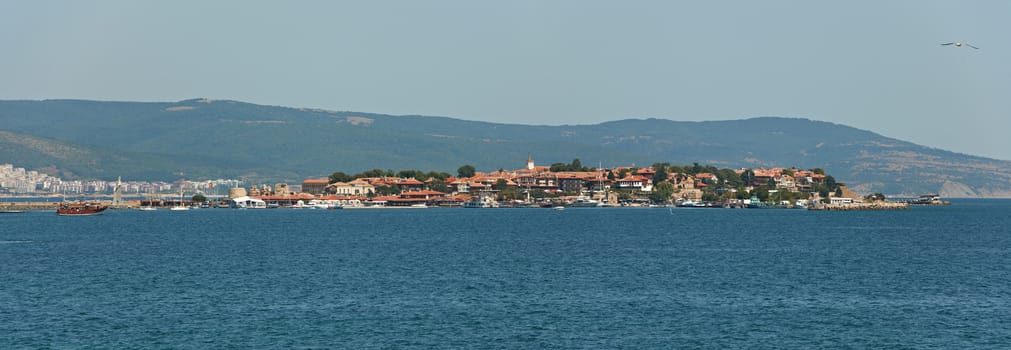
(873,65)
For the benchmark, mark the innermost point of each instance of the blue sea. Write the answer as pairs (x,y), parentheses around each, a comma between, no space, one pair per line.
(928,277)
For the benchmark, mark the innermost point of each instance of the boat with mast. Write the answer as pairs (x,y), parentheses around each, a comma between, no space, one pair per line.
(80,209)
(150,203)
(180,206)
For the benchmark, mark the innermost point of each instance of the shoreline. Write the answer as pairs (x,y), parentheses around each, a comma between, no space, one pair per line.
(861,206)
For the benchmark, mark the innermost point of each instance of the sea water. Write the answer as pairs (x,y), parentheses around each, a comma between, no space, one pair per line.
(928,277)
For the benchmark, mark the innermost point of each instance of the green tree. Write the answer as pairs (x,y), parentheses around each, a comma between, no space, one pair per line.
(405,174)
(466,171)
(748,177)
(438,175)
(710,196)
(199,198)
(500,185)
(610,175)
(438,185)
(509,193)
(875,197)
(661,174)
(822,191)
(387,190)
(539,193)
(729,177)
(762,192)
(339,177)
(661,192)
(371,173)
(831,183)
(695,169)
(742,193)
(576,165)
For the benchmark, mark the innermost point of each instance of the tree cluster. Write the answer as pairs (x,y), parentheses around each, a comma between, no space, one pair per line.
(416,174)
(576,165)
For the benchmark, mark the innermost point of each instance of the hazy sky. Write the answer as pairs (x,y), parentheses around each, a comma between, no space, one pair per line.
(874,65)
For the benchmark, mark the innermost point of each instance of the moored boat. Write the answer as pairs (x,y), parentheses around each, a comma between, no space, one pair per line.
(80,209)
(928,199)
(584,202)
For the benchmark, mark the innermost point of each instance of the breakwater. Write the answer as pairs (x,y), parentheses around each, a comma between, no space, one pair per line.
(53,205)
(29,205)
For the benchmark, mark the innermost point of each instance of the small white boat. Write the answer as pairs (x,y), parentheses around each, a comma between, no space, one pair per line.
(583,201)
(558,208)
(180,206)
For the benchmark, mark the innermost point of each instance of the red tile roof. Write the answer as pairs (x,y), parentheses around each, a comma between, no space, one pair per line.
(411,181)
(423,193)
(384,198)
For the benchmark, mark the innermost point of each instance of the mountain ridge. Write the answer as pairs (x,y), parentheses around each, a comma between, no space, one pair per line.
(227,138)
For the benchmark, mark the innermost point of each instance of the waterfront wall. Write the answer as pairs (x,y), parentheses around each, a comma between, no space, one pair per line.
(29,205)
(862,206)
(53,205)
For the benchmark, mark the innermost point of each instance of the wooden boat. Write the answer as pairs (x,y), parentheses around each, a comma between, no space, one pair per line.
(80,209)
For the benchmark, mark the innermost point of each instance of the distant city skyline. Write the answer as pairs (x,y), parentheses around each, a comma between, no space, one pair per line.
(873,65)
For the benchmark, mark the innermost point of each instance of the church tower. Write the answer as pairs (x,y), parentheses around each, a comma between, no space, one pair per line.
(530,163)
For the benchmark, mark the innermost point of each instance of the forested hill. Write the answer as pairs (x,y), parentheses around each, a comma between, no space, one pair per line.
(214,139)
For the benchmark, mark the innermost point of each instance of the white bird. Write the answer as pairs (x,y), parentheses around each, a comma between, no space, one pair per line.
(960,44)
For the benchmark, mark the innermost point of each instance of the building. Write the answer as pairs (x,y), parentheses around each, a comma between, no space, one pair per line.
(315,186)
(408,185)
(357,187)
(570,183)
(634,182)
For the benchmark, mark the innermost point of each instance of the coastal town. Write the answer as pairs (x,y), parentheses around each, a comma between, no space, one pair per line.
(557,186)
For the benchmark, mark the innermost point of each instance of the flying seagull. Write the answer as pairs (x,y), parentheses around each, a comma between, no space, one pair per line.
(960,44)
